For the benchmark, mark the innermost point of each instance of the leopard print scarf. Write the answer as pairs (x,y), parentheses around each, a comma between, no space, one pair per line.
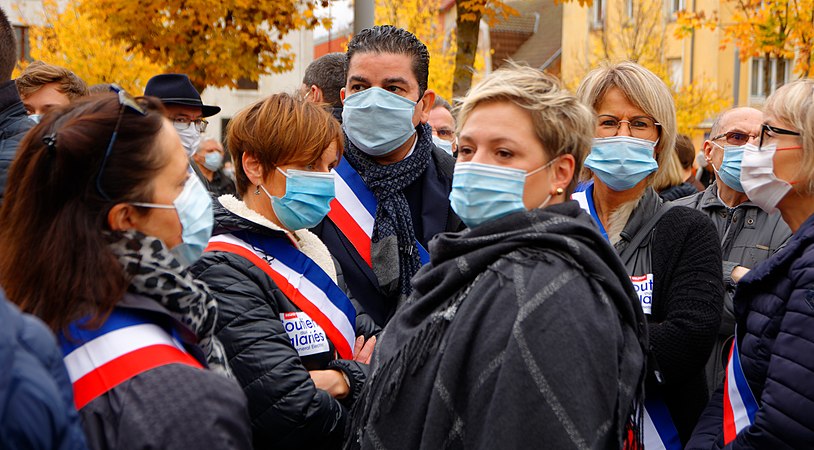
(156,274)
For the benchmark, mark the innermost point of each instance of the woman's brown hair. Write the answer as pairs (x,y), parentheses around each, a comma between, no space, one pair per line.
(280,130)
(55,261)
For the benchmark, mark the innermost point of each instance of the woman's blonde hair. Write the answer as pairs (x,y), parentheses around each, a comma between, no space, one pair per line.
(793,103)
(280,130)
(562,123)
(649,93)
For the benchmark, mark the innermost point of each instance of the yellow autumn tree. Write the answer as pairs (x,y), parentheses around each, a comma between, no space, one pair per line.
(216,43)
(782,29)
(77,42)
(639,35)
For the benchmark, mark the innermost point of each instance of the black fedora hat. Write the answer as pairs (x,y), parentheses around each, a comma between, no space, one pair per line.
(176,89)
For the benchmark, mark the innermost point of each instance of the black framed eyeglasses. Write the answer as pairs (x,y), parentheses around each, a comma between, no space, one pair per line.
(640,126)
(766,129)
(126,101)
(182,123)
(735,137)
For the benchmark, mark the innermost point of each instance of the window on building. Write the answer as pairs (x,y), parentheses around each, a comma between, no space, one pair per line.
(23,43)
(676,6)
(778,72)
(244,83)
(629,9)
(676,67)
(598,13)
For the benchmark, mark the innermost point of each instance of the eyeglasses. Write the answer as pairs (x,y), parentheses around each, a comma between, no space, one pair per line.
(640,126)
(767,130)
(444,133)
(126,101)
(182,123)
(735,137)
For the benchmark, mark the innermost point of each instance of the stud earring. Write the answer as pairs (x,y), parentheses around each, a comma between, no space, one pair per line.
(257,190)
(560,191)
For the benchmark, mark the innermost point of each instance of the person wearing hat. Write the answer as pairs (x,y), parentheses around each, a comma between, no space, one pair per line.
(185,109)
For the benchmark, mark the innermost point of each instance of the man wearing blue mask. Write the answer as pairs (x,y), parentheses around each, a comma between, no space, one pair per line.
(393,183)
(748,234)
(210,160)
(442,122)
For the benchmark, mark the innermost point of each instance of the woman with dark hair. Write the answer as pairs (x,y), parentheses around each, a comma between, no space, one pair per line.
(100,219)
(288,328)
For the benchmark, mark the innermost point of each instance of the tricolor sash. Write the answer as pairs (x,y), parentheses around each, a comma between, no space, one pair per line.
(740,405)
(353,211)
(659,431)
(126,345)
(301,280)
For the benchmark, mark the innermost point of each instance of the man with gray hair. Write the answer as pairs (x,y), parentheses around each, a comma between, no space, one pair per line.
(442,122)
(210,159)
(748,234)
(323,80)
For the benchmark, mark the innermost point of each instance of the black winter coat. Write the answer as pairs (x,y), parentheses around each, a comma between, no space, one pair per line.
(14,124)
(774,312)
(286,408)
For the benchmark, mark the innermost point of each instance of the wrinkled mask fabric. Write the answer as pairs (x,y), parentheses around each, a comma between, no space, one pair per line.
(621,162)
(483,192)
(213,161)
(35,117)
(377,121)
(194,208)
(190,139)
(307,198)
(442,144)
(730,170)
(758,179)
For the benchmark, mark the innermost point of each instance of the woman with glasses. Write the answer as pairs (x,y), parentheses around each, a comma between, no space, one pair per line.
(767,400)
(523,330)
(671,254)
(289,330)
(100,221)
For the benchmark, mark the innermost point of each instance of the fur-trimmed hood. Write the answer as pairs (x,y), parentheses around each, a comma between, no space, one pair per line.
(232,214)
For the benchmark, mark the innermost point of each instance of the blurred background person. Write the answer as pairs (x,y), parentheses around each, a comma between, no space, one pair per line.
(748,235)
(289,329)
(442,121)
(672,254)
(687,158)
(210,160)
(100,221)
(768,398)
(323,80)
(14,121)
(483,353)
(44,86)
(680,186)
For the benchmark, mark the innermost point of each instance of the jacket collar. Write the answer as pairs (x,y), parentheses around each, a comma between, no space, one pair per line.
(10,103)
(647,207)
(710,200)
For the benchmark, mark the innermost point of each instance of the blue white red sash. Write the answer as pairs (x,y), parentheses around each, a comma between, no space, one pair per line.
(124,346)
(658,429)
(353,211)
(740,405)
(301,280)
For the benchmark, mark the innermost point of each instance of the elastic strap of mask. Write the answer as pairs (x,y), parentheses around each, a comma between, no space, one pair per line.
(542,167)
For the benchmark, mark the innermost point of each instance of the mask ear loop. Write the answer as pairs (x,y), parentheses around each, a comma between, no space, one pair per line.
(559,190)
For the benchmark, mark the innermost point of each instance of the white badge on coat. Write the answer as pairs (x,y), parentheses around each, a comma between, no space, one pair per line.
(306,336)
(644,289)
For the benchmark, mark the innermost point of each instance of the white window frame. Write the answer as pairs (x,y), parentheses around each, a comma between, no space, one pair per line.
(756,89)
(598,14)
(676,77)
(676,6)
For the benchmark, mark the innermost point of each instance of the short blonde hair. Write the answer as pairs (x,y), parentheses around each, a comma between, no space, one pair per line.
(562,123)
(649,93)
(38,74)
(280,130)
(793,103)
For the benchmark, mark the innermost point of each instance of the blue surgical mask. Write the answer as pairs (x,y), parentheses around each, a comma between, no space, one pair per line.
(307,198)
(621,162)
(377,121)
(194,209)
(35,117)
(213,160)
(730,170)
(442,144)
(483,192)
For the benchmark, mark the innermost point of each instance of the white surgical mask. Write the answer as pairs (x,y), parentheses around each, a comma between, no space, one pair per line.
(190,139)
(442,144)
(758,179)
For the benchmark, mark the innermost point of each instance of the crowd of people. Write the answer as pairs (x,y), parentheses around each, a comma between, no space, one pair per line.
(360,265)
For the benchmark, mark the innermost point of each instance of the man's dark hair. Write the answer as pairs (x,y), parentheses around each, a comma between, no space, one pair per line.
(390,39)
(8,48)
(327,73)
(685,151)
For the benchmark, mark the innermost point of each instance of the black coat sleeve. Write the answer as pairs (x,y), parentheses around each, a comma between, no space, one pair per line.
(286,408)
